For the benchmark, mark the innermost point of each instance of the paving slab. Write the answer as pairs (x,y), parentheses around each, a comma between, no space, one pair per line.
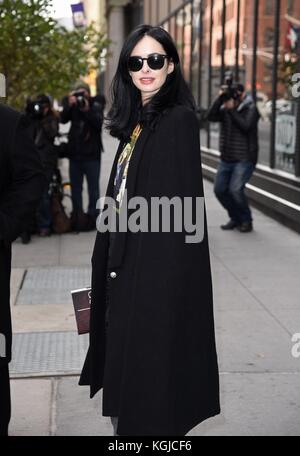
(39,318)
(256,405)
(253,404)
(253,341)
(275,298)
(31,407)
(77,414)
(17,276)
(76,249)
(41,251)
(52,285)
(228,293)
(290,318)
(48,354)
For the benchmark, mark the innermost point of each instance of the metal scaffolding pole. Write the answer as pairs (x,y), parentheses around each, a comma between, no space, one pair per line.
(237,41)
(274,83)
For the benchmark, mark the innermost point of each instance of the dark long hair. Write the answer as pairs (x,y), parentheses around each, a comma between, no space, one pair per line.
(127,109)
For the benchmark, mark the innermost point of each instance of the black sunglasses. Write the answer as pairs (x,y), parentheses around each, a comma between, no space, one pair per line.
(154,61)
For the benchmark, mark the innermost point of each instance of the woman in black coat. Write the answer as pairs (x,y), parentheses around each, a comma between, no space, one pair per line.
(152,342)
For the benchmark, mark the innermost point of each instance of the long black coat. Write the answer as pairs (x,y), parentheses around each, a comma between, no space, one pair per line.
(21,183)
(157,363)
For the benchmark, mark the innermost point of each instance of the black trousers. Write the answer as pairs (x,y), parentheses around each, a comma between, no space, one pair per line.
(5,406)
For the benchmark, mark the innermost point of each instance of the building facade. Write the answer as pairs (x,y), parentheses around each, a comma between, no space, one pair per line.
(121,16)
(95,11)
(259,42)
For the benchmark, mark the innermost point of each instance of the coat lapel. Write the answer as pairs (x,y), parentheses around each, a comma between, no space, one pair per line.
(120,239)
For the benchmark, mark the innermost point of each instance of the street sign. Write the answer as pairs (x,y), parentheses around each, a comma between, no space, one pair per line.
(2,346)
(286,133)
(2,86)
(79,19)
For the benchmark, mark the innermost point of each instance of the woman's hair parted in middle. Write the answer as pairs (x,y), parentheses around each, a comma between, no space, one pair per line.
(127,109)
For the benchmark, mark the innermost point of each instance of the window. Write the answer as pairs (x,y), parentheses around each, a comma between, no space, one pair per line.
(269,7)
(268,68)
(290,7)
(269,37)
(230,11)
(219,47)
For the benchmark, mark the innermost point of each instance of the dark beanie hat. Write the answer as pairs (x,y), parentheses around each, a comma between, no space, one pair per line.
(240,87)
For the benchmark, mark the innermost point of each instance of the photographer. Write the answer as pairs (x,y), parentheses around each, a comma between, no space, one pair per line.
(44,129)
(239,151)
(86,115)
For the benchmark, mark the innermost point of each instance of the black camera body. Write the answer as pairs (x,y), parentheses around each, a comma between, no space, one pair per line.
(80,99)
(35,108)
(230,89)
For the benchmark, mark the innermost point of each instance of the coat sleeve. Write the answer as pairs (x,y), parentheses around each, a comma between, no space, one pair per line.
(248,122)
(50,127)
(65,115)
(21,198)
(94,116)
(215,114)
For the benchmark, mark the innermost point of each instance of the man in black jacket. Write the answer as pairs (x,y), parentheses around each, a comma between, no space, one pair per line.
(21,182)
(239,151)
(86,115)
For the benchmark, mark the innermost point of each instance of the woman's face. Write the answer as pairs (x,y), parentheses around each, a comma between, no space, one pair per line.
(149,81)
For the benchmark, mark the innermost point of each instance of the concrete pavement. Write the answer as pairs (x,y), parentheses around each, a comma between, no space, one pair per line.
(256,296)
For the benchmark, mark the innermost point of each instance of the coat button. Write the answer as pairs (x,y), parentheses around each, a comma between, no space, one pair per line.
(113,275)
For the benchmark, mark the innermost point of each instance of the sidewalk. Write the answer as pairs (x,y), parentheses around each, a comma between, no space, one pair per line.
(256,298)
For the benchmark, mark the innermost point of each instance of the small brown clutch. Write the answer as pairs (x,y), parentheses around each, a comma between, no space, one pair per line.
(82,306)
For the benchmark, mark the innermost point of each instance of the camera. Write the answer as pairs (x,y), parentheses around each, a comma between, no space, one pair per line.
(35,109)
(81,99)
(230,89)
